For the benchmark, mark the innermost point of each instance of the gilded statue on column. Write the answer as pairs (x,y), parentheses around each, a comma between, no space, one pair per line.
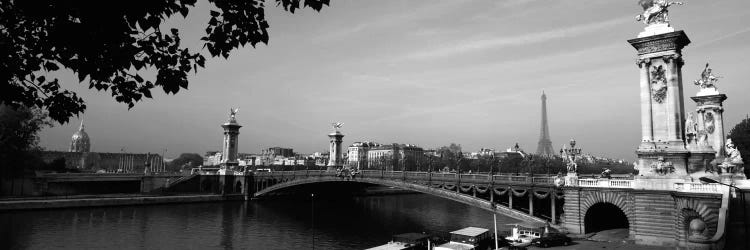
(233,114)
(707,82)
(337,125)
(655,11)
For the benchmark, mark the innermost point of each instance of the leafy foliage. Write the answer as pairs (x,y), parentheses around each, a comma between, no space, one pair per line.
(740,135)
(111,43)
(185,160)
(18,138)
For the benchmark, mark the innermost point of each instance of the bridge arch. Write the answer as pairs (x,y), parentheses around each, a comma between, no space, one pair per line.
(604,216)
(417,187)
(605,210)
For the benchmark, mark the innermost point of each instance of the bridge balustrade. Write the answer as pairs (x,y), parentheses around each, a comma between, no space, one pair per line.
(542,180)
(697,187)
(501,178)
(443,177)
(519,179)
(588,182)
(417,176)
(605,183)
(480,178)
(621,183)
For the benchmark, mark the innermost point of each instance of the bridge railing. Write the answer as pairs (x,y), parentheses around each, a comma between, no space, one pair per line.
(475,177)
(417,176)
(443,176)
(605,183)
(697,187)
(543,180)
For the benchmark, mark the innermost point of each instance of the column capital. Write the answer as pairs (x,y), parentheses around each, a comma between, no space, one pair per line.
(641,62)
(672,58)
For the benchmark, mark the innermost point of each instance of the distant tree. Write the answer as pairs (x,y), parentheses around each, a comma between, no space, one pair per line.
(452,149)
(19,143)
(19,140)
(185,160)
(111,43)
(740,135)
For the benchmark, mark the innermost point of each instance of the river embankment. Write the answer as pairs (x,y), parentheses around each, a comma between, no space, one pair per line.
(109,200)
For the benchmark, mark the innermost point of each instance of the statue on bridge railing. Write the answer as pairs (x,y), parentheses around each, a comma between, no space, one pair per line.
(346,173)
(559,180)
(733,161)
(691,129)
(572,167)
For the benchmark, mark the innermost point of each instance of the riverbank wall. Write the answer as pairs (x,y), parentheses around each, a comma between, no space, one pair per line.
(112,200)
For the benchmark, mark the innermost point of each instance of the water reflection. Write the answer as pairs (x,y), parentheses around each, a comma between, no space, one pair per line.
(344,223)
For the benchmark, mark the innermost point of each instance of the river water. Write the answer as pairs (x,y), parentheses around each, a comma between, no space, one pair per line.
(339,223)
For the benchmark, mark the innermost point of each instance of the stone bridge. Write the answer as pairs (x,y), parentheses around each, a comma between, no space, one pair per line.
(653,216)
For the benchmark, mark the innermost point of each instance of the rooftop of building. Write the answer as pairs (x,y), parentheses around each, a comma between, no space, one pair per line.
(470,231)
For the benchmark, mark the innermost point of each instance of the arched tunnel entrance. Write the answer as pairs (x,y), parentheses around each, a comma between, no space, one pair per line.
(604,216)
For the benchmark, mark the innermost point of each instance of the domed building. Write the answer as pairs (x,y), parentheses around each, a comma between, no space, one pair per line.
(79,156)
(80,142)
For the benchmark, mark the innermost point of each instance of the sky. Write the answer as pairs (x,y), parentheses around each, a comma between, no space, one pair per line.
(426,73)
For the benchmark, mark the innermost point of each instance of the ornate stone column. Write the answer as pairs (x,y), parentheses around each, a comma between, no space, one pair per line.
(229,149)
(334,156)
(711,118)
(662,105)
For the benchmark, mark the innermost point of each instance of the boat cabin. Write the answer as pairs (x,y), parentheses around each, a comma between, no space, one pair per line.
(406,241)
(466,239)
(522,234)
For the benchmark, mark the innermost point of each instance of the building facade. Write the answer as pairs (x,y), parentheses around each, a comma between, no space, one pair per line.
(357,154)
(79,156)
(396,157)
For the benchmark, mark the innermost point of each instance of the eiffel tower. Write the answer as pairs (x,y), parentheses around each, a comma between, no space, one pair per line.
(545,144)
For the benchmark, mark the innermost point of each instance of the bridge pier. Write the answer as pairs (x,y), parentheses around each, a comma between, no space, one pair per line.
(510,199)
(552,198)
(531,201)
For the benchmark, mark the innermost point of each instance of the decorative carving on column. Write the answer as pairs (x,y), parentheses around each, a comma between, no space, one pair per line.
(662,167)
(658,84)
(708,122)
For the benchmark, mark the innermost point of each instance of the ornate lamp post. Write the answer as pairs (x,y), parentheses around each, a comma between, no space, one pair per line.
(570,155)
